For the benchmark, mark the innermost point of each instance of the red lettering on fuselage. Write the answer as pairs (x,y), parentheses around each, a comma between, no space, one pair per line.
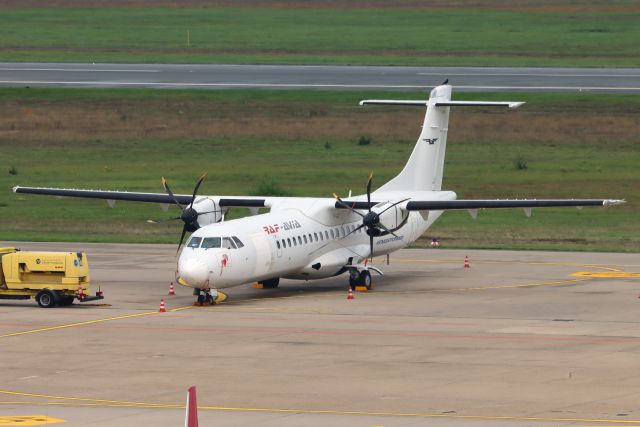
(271,229)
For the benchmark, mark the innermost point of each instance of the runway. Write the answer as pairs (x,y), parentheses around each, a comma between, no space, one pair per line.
(214,76)
(518,339)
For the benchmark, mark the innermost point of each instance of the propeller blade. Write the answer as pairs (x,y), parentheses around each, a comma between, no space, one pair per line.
(354,230)
(184,231)
(396,203)
(159,221)
(387,230)
(195,190)
(165,185)
(344,205)
(369,189)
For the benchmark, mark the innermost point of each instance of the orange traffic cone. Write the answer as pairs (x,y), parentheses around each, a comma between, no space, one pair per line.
(350,296)
(162,308)
(466,262)
(171,290)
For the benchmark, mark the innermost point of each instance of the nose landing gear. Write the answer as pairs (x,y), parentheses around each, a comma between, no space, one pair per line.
(208,297)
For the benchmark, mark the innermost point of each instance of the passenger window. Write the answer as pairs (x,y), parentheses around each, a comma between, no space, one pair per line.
(326,234)
(337,232)
(238,242)
(300,240)
(194,242)
(278,244)
(343,233)
(315,235)
(284,243)
(289,241)
(332,235)
(305,239)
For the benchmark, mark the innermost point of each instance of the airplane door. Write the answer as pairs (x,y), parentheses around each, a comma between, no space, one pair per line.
(263,253)
(276,244)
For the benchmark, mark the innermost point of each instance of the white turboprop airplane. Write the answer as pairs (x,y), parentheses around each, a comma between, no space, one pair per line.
(312,238)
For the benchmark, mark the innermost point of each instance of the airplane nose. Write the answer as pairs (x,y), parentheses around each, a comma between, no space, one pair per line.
(193,271)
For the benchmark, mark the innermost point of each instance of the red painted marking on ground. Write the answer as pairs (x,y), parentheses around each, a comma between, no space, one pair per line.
(435,335)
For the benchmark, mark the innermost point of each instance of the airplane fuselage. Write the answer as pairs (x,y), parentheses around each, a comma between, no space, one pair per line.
(312,240)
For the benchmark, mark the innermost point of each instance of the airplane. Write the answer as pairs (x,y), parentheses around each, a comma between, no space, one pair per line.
(309,238)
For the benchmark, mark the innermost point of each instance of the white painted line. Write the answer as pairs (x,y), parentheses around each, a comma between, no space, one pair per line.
(548,87)
(445,74)
(117,83)
(303,85)
(84,70)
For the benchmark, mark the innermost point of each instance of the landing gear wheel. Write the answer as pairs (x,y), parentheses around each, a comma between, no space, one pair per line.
(201,299)
(365,279)
(46,298)
(271,283)
(210,299)
(353,282)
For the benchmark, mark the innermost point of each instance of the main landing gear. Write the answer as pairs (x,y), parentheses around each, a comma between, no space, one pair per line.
(359,279)
(208,296)
(360,276)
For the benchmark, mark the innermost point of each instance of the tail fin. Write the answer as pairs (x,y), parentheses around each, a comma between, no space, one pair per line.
(424,168)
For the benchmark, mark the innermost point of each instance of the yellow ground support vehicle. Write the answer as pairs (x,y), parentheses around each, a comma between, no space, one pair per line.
(52,278)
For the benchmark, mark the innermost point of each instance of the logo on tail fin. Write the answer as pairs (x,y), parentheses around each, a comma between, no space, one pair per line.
(431,141)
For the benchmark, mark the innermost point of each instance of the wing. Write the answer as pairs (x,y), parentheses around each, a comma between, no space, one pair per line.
(441,205)
(162,198)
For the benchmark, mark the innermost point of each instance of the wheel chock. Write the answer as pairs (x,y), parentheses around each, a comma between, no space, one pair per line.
(257,285)
(361,288)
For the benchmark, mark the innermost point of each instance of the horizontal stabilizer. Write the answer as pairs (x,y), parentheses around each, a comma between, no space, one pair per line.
(421,103)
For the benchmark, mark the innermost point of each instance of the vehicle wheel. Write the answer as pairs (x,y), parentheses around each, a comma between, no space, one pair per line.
(46,298)
(365,279)
(271,283)
(201,299)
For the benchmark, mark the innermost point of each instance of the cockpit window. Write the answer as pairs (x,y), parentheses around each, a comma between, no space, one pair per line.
(211,242)
(194,242)
(238,242)
(227,243)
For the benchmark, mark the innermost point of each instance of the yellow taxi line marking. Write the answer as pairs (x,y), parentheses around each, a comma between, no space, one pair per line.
(481,288)
(608,274)
(88,322)
(105,402)
(28,420)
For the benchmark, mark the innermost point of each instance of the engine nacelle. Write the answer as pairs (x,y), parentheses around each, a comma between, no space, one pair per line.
(209,212)
(393,217)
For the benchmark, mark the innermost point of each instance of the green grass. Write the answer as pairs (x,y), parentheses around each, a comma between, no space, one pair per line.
(583,161)
(381,36)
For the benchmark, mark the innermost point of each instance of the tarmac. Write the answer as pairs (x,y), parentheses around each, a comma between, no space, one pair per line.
(518,339)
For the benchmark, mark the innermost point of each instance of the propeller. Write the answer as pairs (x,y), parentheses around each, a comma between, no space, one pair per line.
(189,215)
(371,220)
